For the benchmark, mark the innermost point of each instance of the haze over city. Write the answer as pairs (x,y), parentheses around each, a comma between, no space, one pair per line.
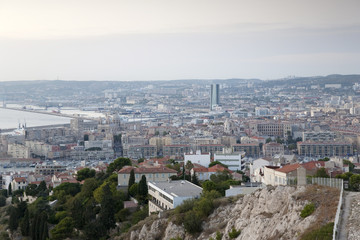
(164,40)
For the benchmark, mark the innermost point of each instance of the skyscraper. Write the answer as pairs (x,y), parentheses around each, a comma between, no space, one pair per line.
(214,96)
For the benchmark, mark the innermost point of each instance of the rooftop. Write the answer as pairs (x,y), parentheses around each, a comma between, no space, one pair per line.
(181,188)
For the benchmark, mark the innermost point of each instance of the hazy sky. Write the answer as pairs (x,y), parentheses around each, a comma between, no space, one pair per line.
(166,39)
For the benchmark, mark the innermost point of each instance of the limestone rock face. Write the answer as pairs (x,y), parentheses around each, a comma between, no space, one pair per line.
(269,213)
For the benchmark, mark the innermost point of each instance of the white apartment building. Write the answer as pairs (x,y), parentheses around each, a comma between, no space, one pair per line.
(169,195)
(198,157)
(233,161)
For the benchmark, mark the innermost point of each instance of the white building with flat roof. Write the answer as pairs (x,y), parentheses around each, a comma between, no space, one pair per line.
(198,157)
(233,161)
(169,195)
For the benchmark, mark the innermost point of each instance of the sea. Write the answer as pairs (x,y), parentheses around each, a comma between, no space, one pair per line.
(10,118)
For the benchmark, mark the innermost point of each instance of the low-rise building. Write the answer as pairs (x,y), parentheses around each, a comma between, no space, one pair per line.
(270,149)
(211,148)
(49,169)
(251,149)
(141,151)
(176,151)
(169,195)
(323,149)
(233,161)
(19,183)
(198,158)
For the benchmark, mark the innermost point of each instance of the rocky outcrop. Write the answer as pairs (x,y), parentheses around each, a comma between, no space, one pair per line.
(269,213)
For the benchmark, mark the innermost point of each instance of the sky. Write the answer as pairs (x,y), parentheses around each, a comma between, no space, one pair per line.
(129,40)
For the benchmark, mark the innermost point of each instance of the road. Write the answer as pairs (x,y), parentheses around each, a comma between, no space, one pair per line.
(349,226)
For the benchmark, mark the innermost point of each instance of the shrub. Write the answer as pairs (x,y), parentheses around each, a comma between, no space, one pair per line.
(203,207)
(192,222)
(308,210)
(140,215)
(177,238)
(234,233)
(122,215)
(219,235)
(60,216)
(324,233)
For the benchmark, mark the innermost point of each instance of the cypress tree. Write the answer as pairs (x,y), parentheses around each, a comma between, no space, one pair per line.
(131,181)
(143,188)
(25,225)
(43,234)
(10,191)
(195,180)
(107,214)
(13,220)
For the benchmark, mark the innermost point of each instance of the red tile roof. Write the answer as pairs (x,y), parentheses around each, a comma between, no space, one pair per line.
(288,168)
(147,170)
(313,165)
(20,179)
(218,168)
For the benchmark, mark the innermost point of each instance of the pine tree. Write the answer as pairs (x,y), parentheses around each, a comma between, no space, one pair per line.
(25,225)
(131,181)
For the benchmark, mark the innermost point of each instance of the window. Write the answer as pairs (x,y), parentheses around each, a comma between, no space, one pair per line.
(124,175)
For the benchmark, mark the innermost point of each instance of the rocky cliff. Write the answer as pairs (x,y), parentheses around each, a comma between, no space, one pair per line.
(269,213)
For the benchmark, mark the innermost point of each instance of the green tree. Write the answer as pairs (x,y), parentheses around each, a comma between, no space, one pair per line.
(143,189)
(208,185)
(118,164)
(321,172)
(133,191)
(10,192)
(13,219)
(189,165)
(94,230)
(25,224)
(345,176)
(4,192)
(107,214)
(350,164)
(131,180)
(268,140)
(355,182)
(76,210)
(63,230)
(2,201)
(42,186)
(22,207)
(195,180)
(85,173)
(69,188)
(31,190)
(192,222)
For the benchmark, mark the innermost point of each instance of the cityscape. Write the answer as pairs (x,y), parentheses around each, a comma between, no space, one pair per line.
(179,120)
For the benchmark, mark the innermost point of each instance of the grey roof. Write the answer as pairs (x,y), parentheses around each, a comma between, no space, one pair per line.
(180,188)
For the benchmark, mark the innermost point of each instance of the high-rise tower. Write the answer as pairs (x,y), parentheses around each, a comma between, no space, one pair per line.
(214,96)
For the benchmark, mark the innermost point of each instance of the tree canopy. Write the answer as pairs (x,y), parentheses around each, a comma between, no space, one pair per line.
(118,164)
